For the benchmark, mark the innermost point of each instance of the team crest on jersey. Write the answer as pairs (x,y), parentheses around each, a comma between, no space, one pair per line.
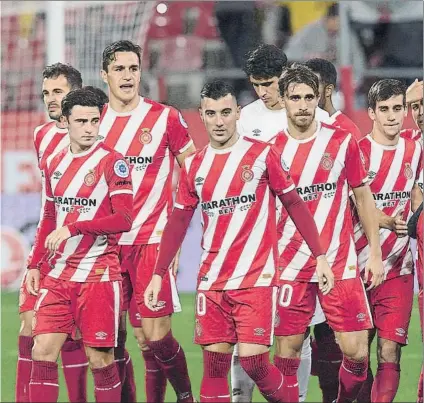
(361,155)
(246,173)
(145,136)
(121,169)
(182,121)
(408,171)
(90,178)
(326,162)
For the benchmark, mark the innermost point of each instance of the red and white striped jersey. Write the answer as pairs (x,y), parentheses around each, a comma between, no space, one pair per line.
(412,134)
(81,186)
(236,188)
(393,171)
(342,121)
(48,140)
(420,250)
(323,168)
(149,136)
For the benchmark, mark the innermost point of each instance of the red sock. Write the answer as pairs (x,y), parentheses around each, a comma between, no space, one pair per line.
(420,388)
(266,376)
(75,366)
(364,395)
(328,360)
(129,392)
(44,384)
(125,369)
(386,382)
(155,379)
(23,368)
(352,375)
(214,387)
(107,386)
(288,367)
(171,358)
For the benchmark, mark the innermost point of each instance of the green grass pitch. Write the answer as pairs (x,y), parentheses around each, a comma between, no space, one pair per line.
(183,325)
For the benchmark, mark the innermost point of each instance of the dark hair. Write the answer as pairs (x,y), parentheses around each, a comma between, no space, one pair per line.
(72,75)
(100,93)
(119,46)
(333,10)
(325,69)
(217,89)
(265,62)
(299,75)
(384,89)
(81,97)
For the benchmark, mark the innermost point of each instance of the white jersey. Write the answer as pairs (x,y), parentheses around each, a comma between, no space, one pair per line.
(260,123)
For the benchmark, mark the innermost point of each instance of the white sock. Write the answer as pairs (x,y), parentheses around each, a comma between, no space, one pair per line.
(241,384)
(304,371)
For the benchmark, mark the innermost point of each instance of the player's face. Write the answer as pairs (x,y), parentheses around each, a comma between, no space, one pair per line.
(83,126)
(389,116)
(123,76)
(300,102)
(418,114)
(54,90)
(322,90)
(267,91)
(220,118)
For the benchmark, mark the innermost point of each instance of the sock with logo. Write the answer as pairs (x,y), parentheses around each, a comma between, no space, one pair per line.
(386,382)
(44,383)
(288,367)
(352,375)
(107,385)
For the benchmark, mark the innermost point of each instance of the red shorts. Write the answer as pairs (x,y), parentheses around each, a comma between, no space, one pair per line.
(345,307)
(235,316)
(92,307)
(168,296)
(391,306)
(27,300)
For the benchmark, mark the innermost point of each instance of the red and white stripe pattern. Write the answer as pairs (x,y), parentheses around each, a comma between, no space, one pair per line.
(412,134)
(322,167)
(150,136)
(393,171)
(420,251)
(81,186)
(342,121)
(238,212)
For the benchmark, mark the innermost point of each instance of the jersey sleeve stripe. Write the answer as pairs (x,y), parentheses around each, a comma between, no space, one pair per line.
(186,147)
(289,189)
(119,192)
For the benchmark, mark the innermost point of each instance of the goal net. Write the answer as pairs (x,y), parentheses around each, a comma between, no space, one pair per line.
(27,47)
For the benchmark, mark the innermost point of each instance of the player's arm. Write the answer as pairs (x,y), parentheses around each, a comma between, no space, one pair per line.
(416,197)
(46,227)
(413,221)
(173,236)
(281,183)
(414,92)
(181,157)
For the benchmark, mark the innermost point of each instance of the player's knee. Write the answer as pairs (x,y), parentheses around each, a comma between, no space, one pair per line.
(42,351)
(289,346)
(354,345)
(156,328)
(388,351)
(141,338)
(26,325)
(99,357)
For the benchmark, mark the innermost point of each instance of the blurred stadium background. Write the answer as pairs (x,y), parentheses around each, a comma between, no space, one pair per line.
(185,43)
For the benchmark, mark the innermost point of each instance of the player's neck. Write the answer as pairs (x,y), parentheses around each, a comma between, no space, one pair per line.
(275,107)
(300,134)
(222,146)
(60,125)
(78,148)
(329,108)
(121,107)
(381,138)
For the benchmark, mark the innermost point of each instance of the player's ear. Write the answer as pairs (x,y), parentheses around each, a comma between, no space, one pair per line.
(238,110)
(328,90)
(103,75)
(371,114)
(201,114)
(281,101)
(64,122)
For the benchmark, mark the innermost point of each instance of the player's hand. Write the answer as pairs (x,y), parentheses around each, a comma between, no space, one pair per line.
(375,267)
(325,275)
(399,225)
(32,281)
(152,292)
(54,239)
(414,92)
(176,262)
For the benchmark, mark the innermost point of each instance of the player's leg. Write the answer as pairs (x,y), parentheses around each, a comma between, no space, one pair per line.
(157,325)
(99,324)
(25,343)
(128,256)
(295,308)
(392,303)
(53,321)
(329,358)
(253,311)
(215,332)
(304,370)
(75,366)
(241,384)
(350,322)
(364,395)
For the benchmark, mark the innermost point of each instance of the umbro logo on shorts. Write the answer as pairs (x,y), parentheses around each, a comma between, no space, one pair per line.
(259,331)
(101,336)
(361,317)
